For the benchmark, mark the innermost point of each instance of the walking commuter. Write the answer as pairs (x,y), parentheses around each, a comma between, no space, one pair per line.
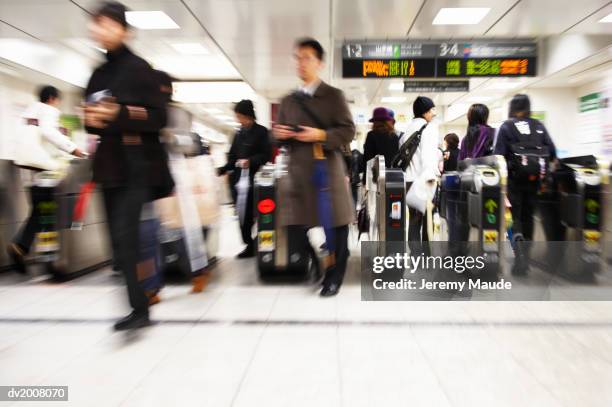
(315,123)
(126,108)
(525,172)
(251,148)
(478,141)
(450,153)
(44,115)
(381,140)
(423,168)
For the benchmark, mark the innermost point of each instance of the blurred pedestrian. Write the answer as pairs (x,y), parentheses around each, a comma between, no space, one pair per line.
(126,108)
(39,154)
(251,148)
(315,123)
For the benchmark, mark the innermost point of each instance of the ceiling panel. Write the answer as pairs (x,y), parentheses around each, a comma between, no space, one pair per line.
(356,19)
(533,18)
(423,27)
(61,18)
(592,25)
(258,36)
(189,26)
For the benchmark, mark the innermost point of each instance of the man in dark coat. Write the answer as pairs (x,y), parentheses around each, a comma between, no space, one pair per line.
(126,108)
(311,138)
(250,150)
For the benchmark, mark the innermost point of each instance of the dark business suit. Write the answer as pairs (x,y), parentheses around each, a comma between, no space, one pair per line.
(130,163)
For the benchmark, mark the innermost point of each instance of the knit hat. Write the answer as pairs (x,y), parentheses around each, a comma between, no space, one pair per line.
(422,105)
(245,107)
(113,10)
(381,114)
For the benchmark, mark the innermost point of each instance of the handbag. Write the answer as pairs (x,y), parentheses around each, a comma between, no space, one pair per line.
(419,194)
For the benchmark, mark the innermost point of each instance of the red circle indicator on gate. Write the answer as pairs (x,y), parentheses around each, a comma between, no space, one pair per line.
(266,206)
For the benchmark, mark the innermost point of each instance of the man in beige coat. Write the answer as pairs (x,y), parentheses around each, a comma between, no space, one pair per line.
(314,123)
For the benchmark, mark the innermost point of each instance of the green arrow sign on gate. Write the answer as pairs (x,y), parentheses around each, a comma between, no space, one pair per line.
(591,205)
(490,205)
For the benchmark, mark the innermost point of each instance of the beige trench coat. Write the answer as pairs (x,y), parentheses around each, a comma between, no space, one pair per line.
(329,105)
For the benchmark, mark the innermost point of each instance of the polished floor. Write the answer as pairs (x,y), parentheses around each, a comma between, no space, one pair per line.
(242,343)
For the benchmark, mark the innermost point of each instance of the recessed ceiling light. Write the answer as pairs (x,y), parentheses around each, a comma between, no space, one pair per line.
(606,19)
(150,20)
(460,15)
(397,86)
(190,48)
(393,99)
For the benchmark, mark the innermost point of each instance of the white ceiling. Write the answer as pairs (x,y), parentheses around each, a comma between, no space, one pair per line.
(252,39)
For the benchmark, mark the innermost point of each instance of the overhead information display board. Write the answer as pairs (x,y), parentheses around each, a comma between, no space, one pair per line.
(410,59)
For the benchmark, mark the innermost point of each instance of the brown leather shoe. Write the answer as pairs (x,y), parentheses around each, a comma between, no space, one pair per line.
(198,283)
(154,299)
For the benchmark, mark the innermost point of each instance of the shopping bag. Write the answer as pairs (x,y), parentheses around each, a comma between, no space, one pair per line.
(242,189)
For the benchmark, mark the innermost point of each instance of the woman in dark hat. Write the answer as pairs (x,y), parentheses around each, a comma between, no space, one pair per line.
(250,150)
(382,139)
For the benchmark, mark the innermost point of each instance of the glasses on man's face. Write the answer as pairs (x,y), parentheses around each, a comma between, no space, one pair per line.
(303,58)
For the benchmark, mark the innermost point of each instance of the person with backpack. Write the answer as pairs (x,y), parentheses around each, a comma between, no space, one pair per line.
(419,157)
(528,150)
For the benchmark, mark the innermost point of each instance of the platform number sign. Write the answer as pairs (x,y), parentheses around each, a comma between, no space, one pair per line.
(449,50)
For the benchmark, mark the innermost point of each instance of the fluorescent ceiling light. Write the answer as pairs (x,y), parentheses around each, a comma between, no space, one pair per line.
(606,19)
(460,15)
(397,86)
(190,48)
(393,99)
(226,118)
(150,20)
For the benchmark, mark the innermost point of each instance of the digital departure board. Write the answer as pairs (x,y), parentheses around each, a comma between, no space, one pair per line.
(389,68)
(410,59)
(489,67)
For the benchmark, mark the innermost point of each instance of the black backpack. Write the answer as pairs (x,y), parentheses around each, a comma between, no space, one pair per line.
(406,151)
(529,157)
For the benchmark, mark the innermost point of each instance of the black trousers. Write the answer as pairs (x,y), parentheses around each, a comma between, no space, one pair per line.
(123,208)
(523,198)
(335,273)
(246,226)
(38,219)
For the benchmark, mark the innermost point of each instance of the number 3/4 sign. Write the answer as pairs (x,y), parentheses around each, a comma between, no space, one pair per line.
(449,49)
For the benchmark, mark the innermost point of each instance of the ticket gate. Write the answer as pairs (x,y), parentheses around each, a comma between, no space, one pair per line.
(472,202)
(282,251)
(571,215)
(386,201)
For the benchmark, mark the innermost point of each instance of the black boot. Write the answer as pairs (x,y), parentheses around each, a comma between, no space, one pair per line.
(16,255)
(133,321)
(249,251)
(521,261)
